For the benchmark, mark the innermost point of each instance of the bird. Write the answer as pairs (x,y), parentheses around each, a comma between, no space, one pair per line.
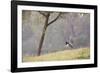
(68,44)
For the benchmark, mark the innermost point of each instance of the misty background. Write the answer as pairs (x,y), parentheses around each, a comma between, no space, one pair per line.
(71,27)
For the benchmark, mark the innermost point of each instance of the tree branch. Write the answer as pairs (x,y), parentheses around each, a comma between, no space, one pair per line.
(42,13)
(54,19)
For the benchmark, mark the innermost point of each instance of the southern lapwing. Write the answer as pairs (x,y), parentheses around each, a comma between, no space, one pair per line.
(68,44)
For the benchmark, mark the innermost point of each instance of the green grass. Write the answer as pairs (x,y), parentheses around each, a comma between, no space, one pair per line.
(81,53)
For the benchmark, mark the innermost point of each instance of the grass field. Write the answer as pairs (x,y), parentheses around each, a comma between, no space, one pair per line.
(81,53)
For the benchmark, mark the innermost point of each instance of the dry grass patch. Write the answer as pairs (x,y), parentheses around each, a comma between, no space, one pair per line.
(81,53)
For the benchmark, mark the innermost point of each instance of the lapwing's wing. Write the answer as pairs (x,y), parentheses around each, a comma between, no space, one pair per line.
(70,45)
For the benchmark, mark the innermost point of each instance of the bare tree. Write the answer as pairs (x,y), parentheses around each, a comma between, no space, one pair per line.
(47,23)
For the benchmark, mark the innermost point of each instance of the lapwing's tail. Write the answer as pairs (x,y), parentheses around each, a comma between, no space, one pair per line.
(70,45)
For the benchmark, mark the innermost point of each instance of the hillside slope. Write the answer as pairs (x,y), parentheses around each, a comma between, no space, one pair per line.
(81,53)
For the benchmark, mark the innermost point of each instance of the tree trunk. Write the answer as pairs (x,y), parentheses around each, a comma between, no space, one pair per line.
(43,35)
